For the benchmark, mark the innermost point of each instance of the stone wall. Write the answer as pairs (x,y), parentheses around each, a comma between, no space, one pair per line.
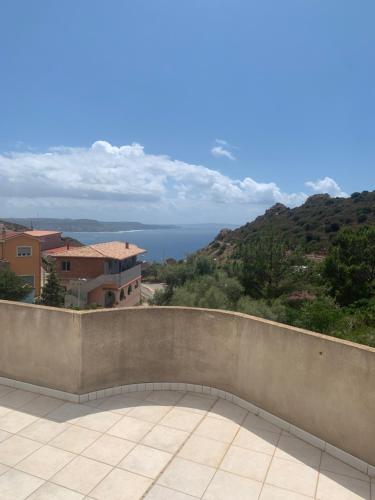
(323,385)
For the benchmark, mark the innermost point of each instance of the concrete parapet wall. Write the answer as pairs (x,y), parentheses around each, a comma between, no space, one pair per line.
(322,385)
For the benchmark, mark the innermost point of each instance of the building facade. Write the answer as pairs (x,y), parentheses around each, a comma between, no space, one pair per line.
(21,252)
(105,274)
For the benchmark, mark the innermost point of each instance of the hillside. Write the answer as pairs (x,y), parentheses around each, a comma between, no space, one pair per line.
(312,226)
(85,225)
(12,226)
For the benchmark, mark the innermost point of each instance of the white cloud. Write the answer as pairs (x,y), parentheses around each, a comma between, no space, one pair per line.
(326,185)
(220,152)
(128,182)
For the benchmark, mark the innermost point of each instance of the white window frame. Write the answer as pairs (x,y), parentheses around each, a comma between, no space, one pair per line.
(25,246)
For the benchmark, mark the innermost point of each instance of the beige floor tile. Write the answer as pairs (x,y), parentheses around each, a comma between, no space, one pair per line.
(258,440)
(99,421)
(4,410)
(109,449)
(149,412)
(15,420)
(187,477)
(120,403)
(272,493)
(165,438)
(75,439)
(43,430)
(51,491)
(227,486)
(219,429)
(69,412)
(292,476)
(17,398)
(181,419)
(197,403)
(253,422)
(246,463)
(82,474)
(131,428)
(332,464)
(337,487)
(3,469)
(291,448)
(15,449)
(146,461)
(121,485)
(158,492)
(203,450)
(4,389)
(227,410)
(16,485)
(45,462)
(4,435)
(41,405)
(165,397)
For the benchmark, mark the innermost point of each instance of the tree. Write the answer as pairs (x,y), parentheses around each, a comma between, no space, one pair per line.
(264,266)
(53,293)
(350,266)
(12,287)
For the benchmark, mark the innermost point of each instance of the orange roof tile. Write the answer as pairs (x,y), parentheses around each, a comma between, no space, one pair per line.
(111,250)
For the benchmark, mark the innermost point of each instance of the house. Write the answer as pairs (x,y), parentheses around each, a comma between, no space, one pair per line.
(21,252)
(107,274)
(48,239)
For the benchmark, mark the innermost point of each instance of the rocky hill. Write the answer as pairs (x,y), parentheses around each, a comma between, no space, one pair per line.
(312,226)
(12,226)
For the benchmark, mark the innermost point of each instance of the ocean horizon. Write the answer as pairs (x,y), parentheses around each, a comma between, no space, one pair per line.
(160,244)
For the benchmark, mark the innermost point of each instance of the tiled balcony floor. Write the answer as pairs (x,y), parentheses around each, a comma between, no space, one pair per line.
(159,446)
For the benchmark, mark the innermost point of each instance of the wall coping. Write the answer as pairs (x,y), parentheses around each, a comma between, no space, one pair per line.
(263,321)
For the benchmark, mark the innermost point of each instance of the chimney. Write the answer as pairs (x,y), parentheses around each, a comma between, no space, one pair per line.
(67,245)
(126,244)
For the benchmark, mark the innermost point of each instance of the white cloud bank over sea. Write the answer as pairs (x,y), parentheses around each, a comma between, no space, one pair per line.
(123,183)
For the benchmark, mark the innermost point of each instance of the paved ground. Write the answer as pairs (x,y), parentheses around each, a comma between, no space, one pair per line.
(148,289)
(159,446)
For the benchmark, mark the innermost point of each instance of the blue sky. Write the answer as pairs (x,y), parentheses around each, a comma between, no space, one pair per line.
(236,104)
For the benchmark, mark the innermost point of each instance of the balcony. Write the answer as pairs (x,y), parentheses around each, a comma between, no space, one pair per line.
(175,403)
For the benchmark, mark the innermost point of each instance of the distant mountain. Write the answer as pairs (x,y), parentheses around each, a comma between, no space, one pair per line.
(312,226)
(11,226)
(84,225)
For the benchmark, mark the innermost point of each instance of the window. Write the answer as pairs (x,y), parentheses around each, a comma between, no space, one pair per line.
(65,265)
(129,289)
(136,284)
(122,294)
(24,251)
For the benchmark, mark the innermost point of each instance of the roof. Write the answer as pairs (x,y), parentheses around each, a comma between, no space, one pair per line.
(39,234)
(112,250)
(12,234)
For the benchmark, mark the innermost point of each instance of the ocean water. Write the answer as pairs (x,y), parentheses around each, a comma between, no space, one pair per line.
(159,243)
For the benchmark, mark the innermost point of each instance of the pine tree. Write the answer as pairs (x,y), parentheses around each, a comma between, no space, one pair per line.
(12,287)
(53,293)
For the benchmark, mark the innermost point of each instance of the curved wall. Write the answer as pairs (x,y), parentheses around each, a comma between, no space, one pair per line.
(323,385)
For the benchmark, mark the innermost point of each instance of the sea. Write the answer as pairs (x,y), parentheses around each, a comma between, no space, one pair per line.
(176,243)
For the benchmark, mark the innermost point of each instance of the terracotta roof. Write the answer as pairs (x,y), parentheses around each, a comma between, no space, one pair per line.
(38,233)
(11,234)
(112,250)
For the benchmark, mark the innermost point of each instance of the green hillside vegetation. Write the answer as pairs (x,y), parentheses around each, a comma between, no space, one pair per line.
(312,227)
(268,275)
